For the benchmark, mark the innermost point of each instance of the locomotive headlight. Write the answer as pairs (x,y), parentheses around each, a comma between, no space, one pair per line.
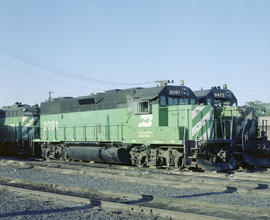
(181,82)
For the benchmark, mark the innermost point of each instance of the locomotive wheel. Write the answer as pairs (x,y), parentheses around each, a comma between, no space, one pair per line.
(57,153)
(141,162)
(44,151)
(45,154)
(179,162)
(64,153)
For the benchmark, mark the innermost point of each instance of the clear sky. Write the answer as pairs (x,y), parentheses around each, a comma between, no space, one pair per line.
(76,47)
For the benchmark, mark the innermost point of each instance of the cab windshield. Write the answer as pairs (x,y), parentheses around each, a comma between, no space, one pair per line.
(176,101)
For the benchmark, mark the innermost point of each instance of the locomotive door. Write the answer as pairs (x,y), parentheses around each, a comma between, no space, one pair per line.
(163,116)
(183,123)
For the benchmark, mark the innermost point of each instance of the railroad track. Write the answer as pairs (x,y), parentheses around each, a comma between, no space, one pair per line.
(112,205)
(179,207)
(146,204)
(254,175)
(249,184)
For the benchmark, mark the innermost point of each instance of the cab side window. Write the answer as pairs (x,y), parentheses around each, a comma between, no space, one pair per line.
(173,101)
(209,101)
(144,107)
(181,101)
(192,101)
(162,100)
(141,107)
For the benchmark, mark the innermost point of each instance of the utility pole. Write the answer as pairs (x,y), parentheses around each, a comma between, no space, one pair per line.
(50,96)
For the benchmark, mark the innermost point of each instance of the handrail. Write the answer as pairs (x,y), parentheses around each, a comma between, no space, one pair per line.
(221,128)
(243,133)
(222,125)
(231,131)
(185,124)
(202,127)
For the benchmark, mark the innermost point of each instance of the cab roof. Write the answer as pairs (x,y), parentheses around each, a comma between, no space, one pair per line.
(215,93)
(112,99)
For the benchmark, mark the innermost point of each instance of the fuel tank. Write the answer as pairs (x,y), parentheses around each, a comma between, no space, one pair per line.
(99,154)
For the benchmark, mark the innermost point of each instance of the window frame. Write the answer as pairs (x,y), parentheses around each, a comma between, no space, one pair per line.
(137,107)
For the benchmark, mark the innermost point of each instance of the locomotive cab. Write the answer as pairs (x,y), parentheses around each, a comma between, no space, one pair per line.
(164,96)
(216,96)
(177,95)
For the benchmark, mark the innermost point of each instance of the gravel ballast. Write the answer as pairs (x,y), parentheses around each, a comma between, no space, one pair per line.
(20,206)
(229,196)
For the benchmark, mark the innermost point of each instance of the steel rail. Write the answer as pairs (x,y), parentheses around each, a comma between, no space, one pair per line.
(113,205)
(189,181)
(179,208)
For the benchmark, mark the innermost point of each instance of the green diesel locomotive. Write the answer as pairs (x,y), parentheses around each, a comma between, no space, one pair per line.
(239,124)
(19,125)
(147,127)
(159,126)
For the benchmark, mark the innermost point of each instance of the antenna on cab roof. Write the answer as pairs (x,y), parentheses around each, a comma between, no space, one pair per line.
(164,82)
